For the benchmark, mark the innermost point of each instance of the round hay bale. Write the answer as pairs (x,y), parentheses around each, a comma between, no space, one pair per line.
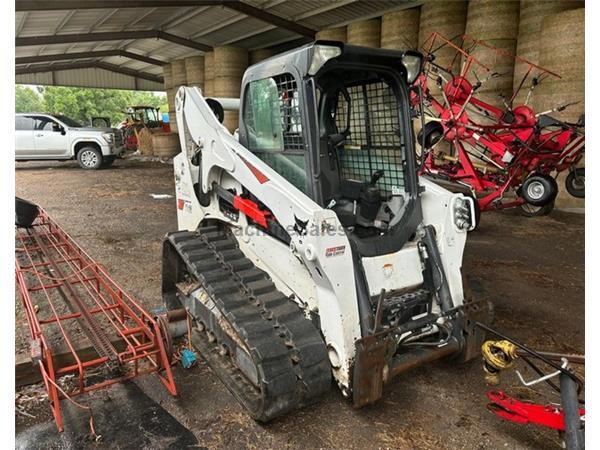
(178,73)
(171,99)
(227,87)
(333,34)
(529,39)
(230,64)
(166,145)
(400,29)
(496,23)
(563,51)
(194,71)
(493,19)
(230,61)
(231,120)
(502,85)
(366,33)
(167,76)
(209,74)
(173,122)
(550,94)
(145,141)
(565,55)
(258,55)
(448,19)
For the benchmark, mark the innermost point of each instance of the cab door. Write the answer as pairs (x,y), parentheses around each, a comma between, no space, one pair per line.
(24,144)
(50,138)
(272,128)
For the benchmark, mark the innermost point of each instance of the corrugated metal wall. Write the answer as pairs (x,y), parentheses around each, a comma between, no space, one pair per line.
(93,78)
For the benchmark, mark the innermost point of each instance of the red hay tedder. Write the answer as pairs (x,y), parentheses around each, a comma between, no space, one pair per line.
(506,157)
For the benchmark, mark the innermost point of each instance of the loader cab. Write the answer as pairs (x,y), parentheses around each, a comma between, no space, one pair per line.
(334,120)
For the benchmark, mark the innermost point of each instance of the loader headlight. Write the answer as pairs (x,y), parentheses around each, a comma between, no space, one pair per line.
(413,63)
(463,212)
(322,54)
(108,137)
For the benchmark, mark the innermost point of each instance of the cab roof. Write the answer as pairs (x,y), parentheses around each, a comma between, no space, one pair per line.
(300,59)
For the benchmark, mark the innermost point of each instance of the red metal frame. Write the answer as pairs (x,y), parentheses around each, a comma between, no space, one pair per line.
(53,274)
(252,210)
(495,157)
(510,408)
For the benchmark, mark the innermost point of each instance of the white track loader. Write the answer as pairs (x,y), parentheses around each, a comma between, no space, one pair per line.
(308,247)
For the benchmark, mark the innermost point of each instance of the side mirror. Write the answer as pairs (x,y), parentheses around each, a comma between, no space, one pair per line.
(57,128)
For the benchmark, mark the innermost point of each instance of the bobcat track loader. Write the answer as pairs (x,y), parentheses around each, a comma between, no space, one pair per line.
(308,247)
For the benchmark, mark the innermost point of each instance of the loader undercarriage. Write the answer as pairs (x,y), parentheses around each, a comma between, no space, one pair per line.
(254,338)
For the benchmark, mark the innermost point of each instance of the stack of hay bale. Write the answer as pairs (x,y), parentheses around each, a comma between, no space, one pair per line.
(229,66)
(178,77)
(496,23)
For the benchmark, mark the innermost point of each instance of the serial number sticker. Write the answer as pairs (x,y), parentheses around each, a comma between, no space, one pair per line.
(335,251)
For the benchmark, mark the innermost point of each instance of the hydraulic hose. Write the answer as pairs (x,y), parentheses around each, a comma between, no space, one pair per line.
(440,281)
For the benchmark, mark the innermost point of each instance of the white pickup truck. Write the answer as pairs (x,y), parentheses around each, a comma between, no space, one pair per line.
(57,137)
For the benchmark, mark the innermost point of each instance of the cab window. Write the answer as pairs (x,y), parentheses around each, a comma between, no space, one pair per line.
(273,126)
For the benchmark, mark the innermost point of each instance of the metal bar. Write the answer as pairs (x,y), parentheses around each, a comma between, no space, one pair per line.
(273,19)
(83,55)
(138,334)
(52,5)
(109,36)
(572,358)
(420,356)
(97,337)
(34,323)
(182,41)
(88,65)
(574,434)
(130,72)
(89,37)
(93,296)
(249,10)
(75,315)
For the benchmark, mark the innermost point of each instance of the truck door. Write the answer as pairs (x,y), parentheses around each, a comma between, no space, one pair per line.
(24,144)
(51,138)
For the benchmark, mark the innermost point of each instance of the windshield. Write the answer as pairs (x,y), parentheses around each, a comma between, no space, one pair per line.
(68,121)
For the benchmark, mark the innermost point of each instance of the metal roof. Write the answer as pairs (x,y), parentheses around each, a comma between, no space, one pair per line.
(121,44)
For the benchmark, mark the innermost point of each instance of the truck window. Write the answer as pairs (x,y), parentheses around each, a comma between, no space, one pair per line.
(273,125)
(24,123)
(45,124)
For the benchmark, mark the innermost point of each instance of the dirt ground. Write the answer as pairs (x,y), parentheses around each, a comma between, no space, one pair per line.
(532,269)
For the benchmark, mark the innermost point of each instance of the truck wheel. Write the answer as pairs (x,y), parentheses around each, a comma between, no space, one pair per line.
(89,158)
(539,190)
(575,182)
(529,210)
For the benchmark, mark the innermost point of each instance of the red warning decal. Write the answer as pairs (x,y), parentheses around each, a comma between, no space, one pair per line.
(261,177)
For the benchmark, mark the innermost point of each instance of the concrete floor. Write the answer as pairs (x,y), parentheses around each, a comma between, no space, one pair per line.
(532,269)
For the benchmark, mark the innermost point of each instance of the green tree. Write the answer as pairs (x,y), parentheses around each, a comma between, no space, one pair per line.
(83,103)
(26,100)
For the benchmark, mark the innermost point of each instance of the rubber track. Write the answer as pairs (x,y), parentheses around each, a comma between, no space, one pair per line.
(287,350)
